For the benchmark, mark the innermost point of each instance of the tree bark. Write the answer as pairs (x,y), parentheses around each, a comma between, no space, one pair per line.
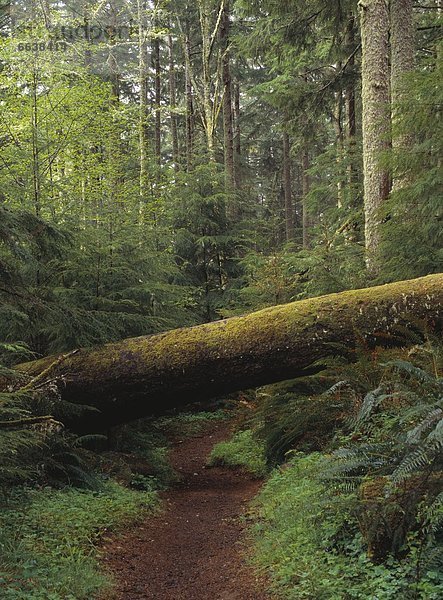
(207,100)
(149,375)
(189,104)
(350,103)
(287,187)
(338,121)
(227,98)
(402,62)
(157,86)
(172,106)
(237,132)
(306,187)
(402,45)
(143,106)
(374,20)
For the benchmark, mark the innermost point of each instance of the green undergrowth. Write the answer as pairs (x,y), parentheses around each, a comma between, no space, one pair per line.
(355,509)
(306,539)
(49,539)
(187,424)
(50,532)
(141,457)
(242,450)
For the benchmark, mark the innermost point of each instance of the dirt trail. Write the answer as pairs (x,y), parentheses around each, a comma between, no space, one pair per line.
(192,551)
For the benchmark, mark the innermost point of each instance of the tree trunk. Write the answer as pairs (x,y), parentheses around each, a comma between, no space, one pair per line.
(47,17)
(338,121)
(287,187)
(237,140)
(306,187)
(149,375)
(227,98)
(111,61)
(35,148)
(209,121)
(172,106)
(189,104)
(157,86)
(402,45)
(374,19)
(143,105)
(351,126)
(207,108)
(402,62)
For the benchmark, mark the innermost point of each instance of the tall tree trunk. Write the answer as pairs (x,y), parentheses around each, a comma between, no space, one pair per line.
(237,132)
(287,187)
(306,188)
(143,105)
(151,374)
(208,107)
(350,89)
(189,103)
(351,127)
(157,101)
(374,19)
(46,10)
(402,62)
(36,181)
(172,106)
(338,121)
(88,41)
(112,56)
(227,98)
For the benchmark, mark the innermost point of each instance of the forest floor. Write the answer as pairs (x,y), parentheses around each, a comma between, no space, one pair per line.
(193,549)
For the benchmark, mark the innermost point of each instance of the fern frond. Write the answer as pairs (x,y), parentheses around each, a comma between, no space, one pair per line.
(433,521)
(416,461)
(415,435)
(370,402)
(416,373)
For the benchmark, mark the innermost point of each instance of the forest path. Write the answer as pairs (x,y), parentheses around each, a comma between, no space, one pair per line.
(192,550)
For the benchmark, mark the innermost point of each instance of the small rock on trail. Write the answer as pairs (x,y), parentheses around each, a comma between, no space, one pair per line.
(192,550)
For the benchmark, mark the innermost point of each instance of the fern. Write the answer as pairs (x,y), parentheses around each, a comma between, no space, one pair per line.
(414,435)
(433,515)
(33,445)
(371,401)
(416,374)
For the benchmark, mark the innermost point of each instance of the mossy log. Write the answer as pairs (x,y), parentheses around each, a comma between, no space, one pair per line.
(151,374)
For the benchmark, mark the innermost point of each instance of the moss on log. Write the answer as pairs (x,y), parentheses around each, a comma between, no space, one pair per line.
(151,374)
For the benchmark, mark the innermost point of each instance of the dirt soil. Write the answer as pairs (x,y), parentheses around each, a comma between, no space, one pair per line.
(193,549)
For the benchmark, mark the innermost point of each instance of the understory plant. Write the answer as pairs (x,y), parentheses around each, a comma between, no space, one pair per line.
(49,538)
(358,514)
(243,450)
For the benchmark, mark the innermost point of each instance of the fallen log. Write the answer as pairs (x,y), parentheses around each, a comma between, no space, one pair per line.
(151,374)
